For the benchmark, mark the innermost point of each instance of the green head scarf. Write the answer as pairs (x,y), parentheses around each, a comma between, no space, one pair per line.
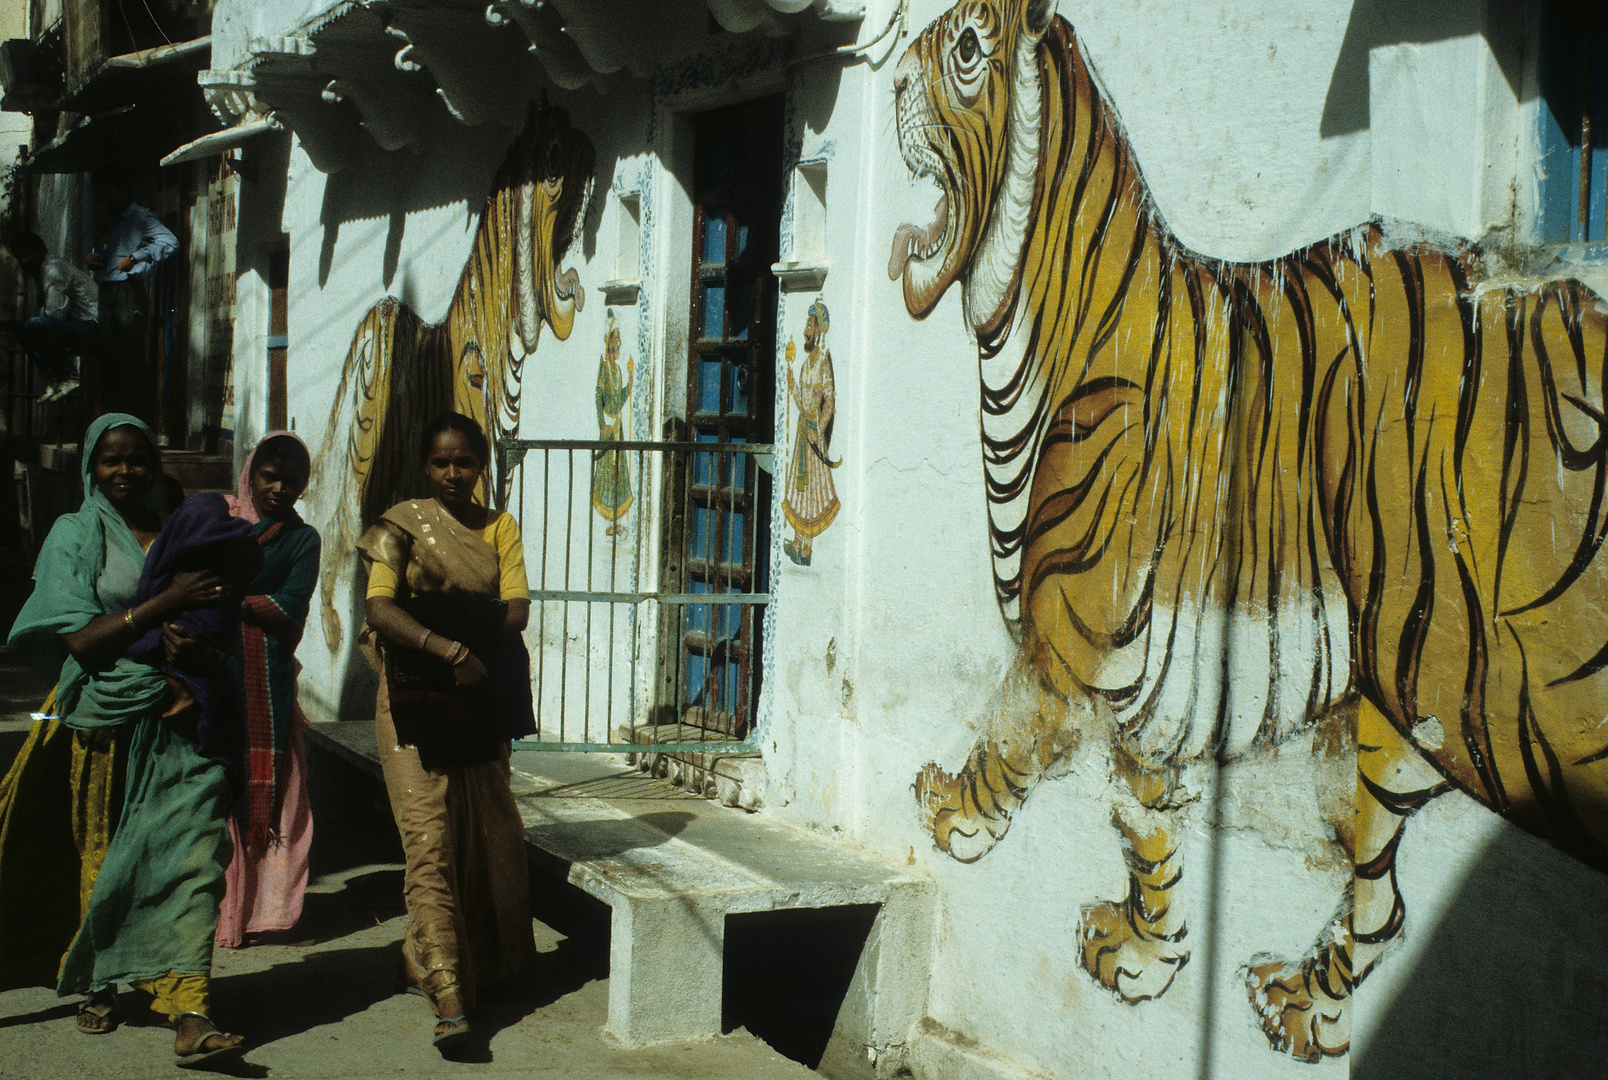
(88,565)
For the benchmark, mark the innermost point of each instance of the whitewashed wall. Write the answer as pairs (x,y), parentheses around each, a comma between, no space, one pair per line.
(887,651)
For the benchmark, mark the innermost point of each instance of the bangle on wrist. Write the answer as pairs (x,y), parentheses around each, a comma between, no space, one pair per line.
(424,639)
(460,654)
(128,617)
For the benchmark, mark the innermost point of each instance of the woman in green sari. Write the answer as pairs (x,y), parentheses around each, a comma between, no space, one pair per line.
(112,820)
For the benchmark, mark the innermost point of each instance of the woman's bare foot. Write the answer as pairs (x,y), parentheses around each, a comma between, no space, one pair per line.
(450,1033)
(196,1038)
(96,1012)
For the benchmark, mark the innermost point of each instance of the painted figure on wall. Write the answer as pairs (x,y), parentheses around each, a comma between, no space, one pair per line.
(811,501)
(1228,499)
(400,371)
(611,471)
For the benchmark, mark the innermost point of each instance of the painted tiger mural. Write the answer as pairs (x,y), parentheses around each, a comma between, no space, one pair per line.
(400,372)
(1228,499)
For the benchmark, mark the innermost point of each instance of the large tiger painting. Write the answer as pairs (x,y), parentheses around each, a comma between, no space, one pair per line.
(1229,499)
(400,371)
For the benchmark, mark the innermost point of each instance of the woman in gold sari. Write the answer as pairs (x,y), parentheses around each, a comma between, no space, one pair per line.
(447,599)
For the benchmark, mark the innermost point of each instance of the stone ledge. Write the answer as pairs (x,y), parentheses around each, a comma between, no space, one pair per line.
(671,866)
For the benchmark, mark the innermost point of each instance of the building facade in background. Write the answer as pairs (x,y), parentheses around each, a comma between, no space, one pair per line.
(1212,601)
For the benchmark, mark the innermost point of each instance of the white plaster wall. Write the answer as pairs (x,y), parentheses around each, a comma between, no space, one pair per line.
(889,648)
(887,652)
(338,272)
(236,23)
(1444,110)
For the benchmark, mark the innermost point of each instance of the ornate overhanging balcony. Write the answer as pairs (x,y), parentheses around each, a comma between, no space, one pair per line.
(381,67)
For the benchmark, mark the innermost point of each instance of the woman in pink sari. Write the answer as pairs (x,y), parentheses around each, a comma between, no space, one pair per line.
(272,823)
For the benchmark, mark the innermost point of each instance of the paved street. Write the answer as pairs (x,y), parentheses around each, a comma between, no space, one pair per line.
(324,999)
(324,1003)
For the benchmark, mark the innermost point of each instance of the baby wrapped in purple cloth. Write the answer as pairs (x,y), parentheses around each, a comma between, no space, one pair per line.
(200,535)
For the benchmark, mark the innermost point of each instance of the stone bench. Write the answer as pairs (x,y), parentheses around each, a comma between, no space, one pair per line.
(671,868)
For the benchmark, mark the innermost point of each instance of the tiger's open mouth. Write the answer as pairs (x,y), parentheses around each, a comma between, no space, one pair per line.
(914,242)
(566,286)
(923,255)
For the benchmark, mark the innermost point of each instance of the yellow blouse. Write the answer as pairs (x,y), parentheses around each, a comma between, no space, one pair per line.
(502,533)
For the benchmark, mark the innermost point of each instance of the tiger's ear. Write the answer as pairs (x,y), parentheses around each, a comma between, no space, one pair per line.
(1036,16)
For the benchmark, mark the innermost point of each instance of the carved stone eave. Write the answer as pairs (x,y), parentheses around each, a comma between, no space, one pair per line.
(621,293)
(358,60)
(387,65)
(796,276)
(544,30)
(230,95)
(472,62)
(282,76)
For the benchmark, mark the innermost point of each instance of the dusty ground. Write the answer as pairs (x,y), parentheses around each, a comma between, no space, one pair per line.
(323,1001)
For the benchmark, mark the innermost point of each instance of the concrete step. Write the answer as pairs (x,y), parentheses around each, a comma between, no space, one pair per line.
(672,867)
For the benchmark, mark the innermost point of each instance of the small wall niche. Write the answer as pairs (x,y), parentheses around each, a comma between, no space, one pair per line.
(626,284)
(804,265)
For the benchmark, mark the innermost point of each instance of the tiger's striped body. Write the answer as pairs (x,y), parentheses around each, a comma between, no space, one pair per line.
(1227,498)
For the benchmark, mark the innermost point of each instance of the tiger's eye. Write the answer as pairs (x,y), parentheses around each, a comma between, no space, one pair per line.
(967,46)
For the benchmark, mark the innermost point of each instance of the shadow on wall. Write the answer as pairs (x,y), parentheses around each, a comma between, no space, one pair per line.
(1378,23)
(457,166)
(1513,982)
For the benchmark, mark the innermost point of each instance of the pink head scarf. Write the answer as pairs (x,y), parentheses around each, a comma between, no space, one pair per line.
(240,504)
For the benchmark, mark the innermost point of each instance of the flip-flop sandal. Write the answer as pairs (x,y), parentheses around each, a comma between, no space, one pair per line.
(216,1054)
(202,1057)
(104,1013)
(457,1032)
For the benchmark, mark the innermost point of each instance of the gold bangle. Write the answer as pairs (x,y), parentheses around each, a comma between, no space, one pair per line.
(128,617)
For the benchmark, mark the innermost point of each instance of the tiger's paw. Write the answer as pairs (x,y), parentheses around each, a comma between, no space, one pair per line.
(966,837)
(1133,963)
(1297,1017)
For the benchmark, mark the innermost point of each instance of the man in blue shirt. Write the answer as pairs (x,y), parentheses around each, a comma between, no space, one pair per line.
(123,263)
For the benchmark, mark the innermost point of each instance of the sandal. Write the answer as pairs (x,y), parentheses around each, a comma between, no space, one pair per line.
(450,1031)
(199,1052)
(97,1014)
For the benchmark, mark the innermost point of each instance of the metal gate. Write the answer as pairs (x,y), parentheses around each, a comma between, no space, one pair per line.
(636,646)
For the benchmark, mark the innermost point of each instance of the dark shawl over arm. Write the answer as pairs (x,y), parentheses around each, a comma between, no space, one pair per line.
(449,578)
(274,611)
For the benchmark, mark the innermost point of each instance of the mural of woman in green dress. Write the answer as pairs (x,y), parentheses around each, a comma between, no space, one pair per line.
(611,473)
(811,501)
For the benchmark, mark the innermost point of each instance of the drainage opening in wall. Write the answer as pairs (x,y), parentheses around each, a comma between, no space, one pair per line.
(787,973)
